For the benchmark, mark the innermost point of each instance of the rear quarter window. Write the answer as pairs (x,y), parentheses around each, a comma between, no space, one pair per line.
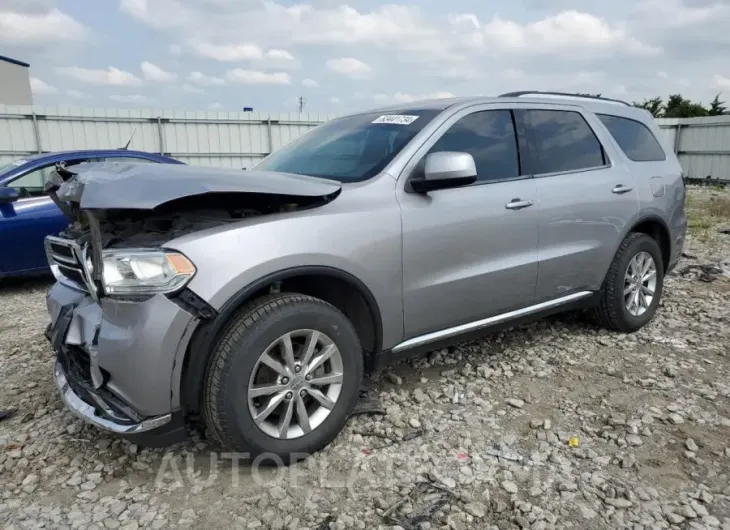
(634,138)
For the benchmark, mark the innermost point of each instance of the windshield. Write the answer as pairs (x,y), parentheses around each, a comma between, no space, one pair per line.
(349,149)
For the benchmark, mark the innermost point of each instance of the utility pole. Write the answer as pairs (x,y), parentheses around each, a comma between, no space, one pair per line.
(302,100)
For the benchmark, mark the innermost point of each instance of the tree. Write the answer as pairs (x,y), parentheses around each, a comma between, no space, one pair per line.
(654,105)
(717,107)
(679,107)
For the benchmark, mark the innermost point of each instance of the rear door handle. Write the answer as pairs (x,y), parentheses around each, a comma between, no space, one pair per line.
(621,189)
(518,204)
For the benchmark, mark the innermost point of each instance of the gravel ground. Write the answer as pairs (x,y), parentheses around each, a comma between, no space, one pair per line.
(553,425)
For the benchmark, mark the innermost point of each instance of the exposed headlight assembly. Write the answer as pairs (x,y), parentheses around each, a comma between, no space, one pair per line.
(145,271)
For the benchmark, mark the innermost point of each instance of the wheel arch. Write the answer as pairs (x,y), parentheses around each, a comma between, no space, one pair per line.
(343,290)
(656,228)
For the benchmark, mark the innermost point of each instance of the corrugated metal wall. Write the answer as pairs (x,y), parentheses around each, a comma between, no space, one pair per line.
(239,139)
(702,145)
(226,139)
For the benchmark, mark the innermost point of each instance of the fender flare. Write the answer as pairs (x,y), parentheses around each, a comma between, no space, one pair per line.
(205,335)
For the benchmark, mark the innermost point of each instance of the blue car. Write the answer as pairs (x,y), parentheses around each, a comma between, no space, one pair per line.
(27,215)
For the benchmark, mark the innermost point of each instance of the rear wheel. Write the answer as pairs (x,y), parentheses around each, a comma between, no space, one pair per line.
(284,378)
(633,285)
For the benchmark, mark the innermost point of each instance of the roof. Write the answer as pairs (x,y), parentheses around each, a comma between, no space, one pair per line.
(597,105)
(13,61)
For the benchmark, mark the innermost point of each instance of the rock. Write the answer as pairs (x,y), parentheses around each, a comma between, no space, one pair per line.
(415,423)
(674,518)
(476,509)
(700,510)
(634,440)
(691,445)
(687,511)
(514,402)
(586,512)
(676,419)
(619,502)
(395,379)
(277,492)
(509,486)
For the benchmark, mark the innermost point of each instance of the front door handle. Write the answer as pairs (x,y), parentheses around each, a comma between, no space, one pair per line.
(518,204)
(620,188)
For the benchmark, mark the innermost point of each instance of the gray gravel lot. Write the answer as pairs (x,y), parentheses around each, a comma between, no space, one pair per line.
(553,425)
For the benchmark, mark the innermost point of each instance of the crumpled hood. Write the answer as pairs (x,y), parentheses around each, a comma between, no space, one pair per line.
(144,186)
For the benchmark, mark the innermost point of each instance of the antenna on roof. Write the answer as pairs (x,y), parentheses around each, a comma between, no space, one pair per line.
(129,142)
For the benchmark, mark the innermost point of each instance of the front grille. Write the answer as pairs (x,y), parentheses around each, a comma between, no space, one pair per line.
(66,259)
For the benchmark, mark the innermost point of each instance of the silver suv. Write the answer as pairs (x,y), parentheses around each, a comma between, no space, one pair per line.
(254,301)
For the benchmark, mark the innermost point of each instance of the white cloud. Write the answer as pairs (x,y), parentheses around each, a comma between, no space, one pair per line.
(662,74)
(200,78)
(152,72)
(677,13)
(721,82)
(111,76)
(336,101)
(239,52)
(350,67)
(310,83)
(191,89)
(279,55)
(40,87)
(215,106)
(37,28)
(130,98)
(423,49)
(228,52)
(256,77)
(400,97)
(75,94)
(574,32)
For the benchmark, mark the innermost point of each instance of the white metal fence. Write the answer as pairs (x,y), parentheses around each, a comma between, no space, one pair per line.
(209,138)
(239,139)
(702,145)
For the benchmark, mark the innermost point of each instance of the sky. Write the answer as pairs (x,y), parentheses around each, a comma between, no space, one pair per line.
(265,54)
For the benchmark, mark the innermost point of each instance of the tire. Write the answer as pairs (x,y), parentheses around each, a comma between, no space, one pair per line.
(611,311)
(253,330)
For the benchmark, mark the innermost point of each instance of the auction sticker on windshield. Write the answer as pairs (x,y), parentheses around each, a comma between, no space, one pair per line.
(397,119)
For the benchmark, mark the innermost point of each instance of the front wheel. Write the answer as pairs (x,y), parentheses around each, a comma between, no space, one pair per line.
(284,378)
(633,285)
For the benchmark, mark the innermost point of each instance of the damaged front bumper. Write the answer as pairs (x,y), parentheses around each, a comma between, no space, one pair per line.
(101,414)
(118,362)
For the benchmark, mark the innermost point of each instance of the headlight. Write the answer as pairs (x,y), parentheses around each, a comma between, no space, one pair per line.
(145,271)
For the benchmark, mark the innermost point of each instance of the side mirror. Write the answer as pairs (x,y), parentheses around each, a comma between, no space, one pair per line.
(446,169)
(8,195)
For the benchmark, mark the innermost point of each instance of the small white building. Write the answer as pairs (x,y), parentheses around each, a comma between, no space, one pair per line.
(14,82)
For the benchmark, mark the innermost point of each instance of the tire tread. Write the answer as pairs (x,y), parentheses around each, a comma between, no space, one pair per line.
(607,313)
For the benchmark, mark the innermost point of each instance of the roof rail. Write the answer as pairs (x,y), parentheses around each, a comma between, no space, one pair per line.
(538,92)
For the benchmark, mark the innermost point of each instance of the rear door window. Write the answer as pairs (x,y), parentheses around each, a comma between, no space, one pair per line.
(562,141)
(634,138)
